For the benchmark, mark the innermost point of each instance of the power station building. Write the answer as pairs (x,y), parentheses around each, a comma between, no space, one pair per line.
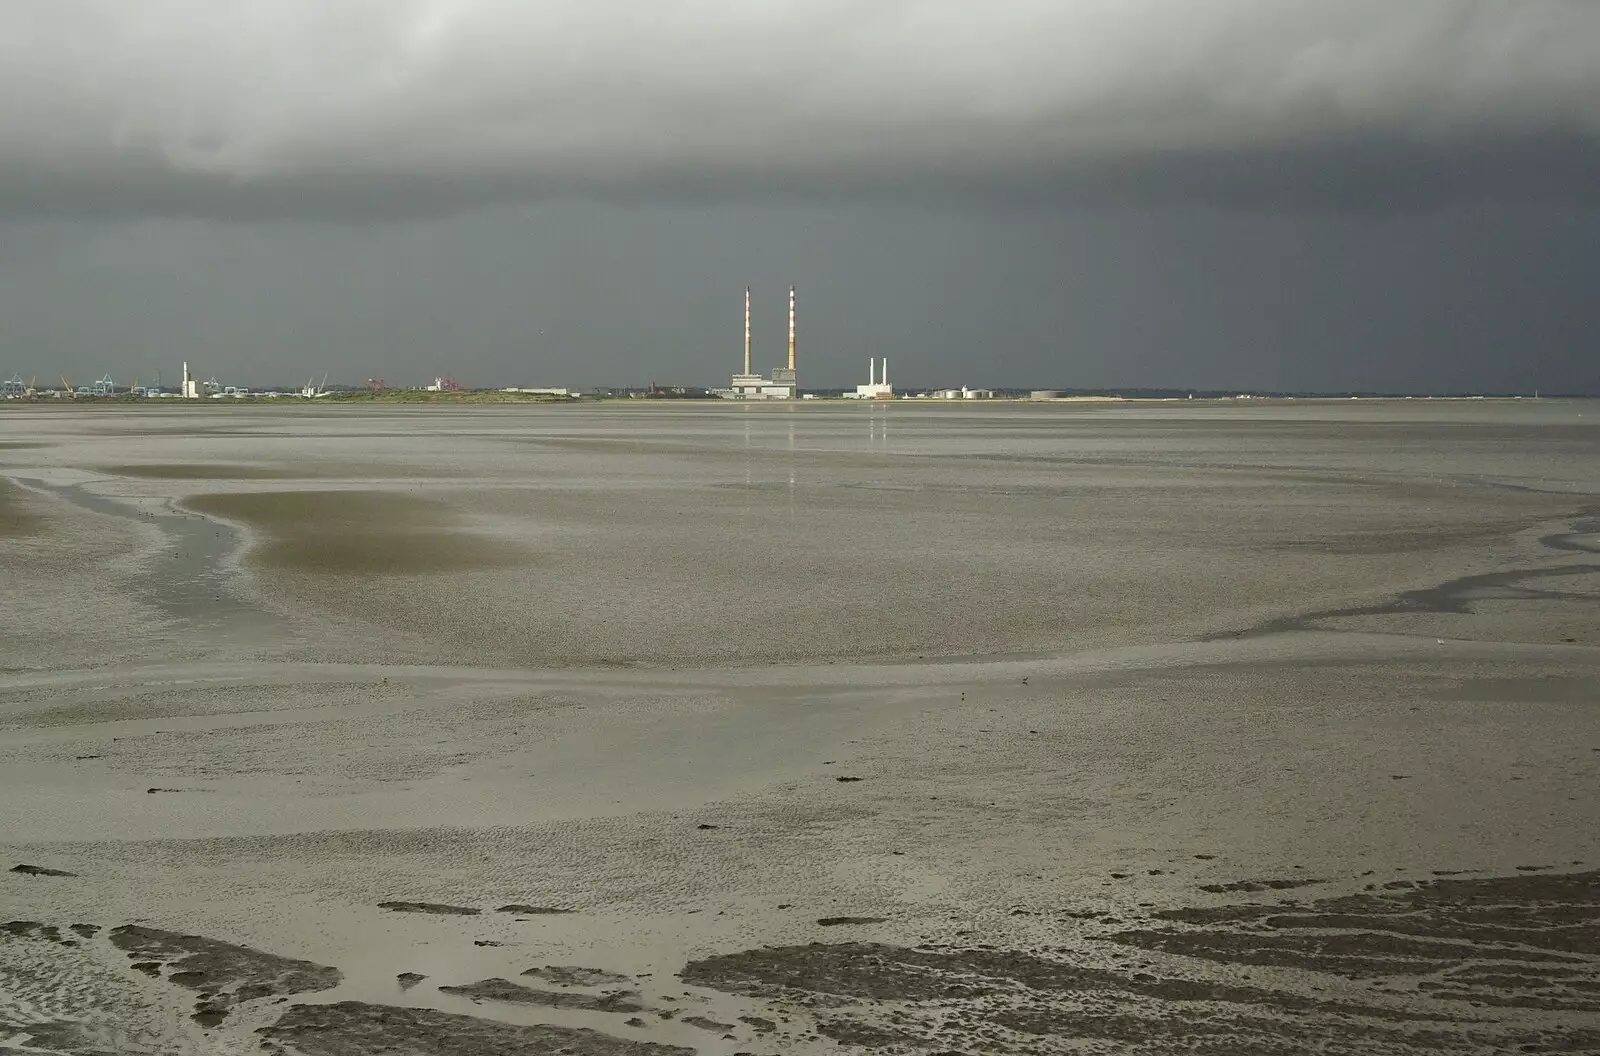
(752,386)
(876,388)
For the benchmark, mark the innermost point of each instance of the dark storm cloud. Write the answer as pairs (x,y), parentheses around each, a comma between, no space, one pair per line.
(319,108)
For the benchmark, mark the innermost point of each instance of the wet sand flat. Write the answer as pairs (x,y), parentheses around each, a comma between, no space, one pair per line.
(322,469)
(814,729)
(17,517)
(360,533)
(201,471)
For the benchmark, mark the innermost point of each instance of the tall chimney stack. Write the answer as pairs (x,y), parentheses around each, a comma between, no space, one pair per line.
(747,331)
(884,381)
(791,327)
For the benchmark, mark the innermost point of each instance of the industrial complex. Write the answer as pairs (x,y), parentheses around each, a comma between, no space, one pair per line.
(876,388)
(784,382)
(189,387)
(781,383)
(751,386)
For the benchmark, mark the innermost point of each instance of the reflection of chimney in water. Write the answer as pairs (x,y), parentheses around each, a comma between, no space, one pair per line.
(791,327)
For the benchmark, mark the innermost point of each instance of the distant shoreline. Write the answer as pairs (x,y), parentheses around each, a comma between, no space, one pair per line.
(418,398)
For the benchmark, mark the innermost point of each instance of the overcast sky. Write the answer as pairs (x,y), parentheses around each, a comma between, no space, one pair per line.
(1192,193)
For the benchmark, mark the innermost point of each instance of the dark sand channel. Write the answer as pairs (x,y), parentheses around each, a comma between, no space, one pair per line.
(360,533)
(16,519)
(704,730)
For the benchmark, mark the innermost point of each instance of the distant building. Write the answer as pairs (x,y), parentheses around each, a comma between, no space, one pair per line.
(670,392)
(780,386)
(962,393)
(783,384)
(876,388)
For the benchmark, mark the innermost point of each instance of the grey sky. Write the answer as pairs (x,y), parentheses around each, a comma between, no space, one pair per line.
(1230,193)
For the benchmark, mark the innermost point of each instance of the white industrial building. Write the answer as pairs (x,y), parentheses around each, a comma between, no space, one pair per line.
(876,388)
(963,393)
(751,386)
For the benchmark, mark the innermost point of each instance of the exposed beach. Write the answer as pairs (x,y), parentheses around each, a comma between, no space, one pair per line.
(635,729)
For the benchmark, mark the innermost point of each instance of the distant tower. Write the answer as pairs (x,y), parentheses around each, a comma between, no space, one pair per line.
(747,330)
(791,330)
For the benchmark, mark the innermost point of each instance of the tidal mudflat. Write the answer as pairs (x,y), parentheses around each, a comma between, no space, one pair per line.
(1248,728)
